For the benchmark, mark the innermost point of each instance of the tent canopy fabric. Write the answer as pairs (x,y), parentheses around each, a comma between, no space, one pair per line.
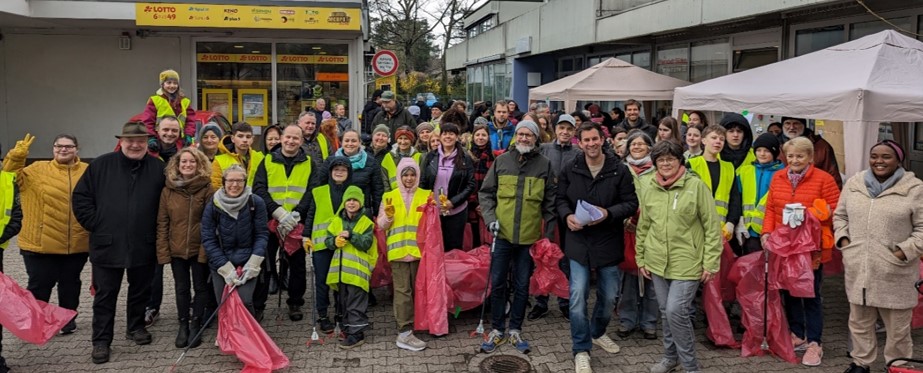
(610,80)
(874,79)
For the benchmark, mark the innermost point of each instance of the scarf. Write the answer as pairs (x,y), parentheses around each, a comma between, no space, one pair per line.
(667,183)
(231,205)
(876,188)
(357,160)
(639,166)
(795,178)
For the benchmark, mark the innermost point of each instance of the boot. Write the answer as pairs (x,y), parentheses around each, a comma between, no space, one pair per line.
(194,325)
(273,284)
(182,335)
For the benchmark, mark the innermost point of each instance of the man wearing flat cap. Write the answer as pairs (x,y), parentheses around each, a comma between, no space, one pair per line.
(116,200)
(824,157)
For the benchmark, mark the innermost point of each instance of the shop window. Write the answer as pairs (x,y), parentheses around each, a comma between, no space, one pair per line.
(567,65)
(674,61)
(235,79)
(307,72)
(815,39)
(641,59)
(861,29)
(752,58)
(709,60)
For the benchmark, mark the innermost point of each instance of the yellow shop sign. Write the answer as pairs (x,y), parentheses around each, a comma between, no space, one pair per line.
(246,16)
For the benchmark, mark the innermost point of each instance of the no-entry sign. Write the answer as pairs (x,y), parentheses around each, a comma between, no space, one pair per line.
(384,63)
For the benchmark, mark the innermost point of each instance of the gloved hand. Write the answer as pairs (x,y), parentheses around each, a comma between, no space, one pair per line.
(341,242)
(288,222)
(21,150)
(251,268)
(153,145)
(820,209)
(228,273)
(741,232)
(443,200)
(494,227)
(389,209)
(307,244)
(793,214)
(727,230)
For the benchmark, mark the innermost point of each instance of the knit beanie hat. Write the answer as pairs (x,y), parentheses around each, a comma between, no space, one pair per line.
(353,192)
(480,120)
(210,127)
(768,141)
(382,128)
(529,125)
(425,126)
(405,131)
(169,75)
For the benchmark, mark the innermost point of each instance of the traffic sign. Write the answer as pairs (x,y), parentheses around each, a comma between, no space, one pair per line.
(385,63)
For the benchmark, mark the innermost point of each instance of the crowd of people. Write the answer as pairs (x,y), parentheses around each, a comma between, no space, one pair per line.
(646,207)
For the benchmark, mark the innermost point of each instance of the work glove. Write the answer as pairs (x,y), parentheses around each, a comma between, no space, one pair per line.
(228,273)
(153,145)
(389,209)
(307,244)
(727,231)
(341,242)
(494,227)
(21,150)
(820,209)
(251,269)
(793,215)
(443,200)
(741,232)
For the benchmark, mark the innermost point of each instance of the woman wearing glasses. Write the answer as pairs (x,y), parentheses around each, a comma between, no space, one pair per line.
(54,246)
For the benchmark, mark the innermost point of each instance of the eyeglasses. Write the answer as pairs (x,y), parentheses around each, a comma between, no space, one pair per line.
(525,135)
(67,147)
(667,160)
(235,181)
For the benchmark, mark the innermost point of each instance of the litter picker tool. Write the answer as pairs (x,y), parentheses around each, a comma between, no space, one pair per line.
(210,319)
(765,345)
(480,329)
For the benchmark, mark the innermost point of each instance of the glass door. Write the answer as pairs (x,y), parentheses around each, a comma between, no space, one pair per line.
(235,79)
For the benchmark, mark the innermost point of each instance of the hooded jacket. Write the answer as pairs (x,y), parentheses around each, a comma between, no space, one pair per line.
(335,191)
(225,150)
(500,139)
(613,189)
(743,154)
(405,192)
(400,118)
(179,219)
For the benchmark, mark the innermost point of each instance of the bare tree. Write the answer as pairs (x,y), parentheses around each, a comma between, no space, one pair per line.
(453,32)
(401,24)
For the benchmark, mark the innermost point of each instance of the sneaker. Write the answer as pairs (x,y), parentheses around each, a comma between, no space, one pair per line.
(326,326)
(537,313)
(798,343)
(70,327)
(854,368)
(664,366)
(140,337)
(624,332)
(493,340)
(100,354)
(410,342)
(151,315)
(650,334)
(565,312)
(582,363)
(517,341)
(353,340)
(607,344)
(812,355)
(294,313)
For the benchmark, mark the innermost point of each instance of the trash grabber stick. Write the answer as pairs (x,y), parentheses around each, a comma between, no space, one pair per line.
(765,345)
(201,330)
(490,267)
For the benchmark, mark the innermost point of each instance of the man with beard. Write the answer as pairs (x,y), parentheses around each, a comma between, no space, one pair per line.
(824,158)
(393,114)
(633,119)
(516,217)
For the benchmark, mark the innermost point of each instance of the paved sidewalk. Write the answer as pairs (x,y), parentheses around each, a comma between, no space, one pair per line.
(550,338)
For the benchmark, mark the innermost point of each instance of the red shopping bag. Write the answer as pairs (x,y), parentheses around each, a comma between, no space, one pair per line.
(466,273)
(431,299)
(31,320)
(548,277)
(241,335)
(748,274)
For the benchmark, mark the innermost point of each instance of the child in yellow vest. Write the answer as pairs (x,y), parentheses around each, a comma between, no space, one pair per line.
(351,233)
(399,216)
(719,176)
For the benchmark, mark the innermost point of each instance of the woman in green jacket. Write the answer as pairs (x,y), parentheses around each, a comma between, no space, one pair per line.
(678,246)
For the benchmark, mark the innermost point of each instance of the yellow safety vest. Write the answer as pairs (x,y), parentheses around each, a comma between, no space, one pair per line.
(753,210)
(402,236)
(357,265)
(164,109)
(749,159)
(391,167)
(226,160)
(287,190)
(6,201)
(723,193)
(323,212)
(322,143)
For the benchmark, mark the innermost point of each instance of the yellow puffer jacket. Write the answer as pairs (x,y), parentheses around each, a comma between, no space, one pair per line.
(48,224)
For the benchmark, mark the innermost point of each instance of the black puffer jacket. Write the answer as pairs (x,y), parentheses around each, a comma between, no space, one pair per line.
(613,189)
(228,239)
(461,183)
(372,183)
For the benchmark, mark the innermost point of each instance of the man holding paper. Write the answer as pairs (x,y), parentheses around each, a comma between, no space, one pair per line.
(595,195)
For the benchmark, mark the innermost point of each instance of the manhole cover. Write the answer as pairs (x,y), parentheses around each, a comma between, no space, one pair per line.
(505,364)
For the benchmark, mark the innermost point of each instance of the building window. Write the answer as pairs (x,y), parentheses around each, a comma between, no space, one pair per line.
(489,82)
(307,72)
(751,58)
(815,39)
(641,59)
(674,61)
(709,60)
(861,29)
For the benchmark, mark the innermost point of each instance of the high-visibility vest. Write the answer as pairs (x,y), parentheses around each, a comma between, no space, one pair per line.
(287,190)
(351,265)
(753,210)
(226,160)
(402,236)
(164,109)
(6,201)
(391,167)
(723,193)
(749,159)
(322,143)
(323,212)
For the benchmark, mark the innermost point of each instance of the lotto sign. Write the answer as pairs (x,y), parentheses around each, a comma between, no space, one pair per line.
(385,63)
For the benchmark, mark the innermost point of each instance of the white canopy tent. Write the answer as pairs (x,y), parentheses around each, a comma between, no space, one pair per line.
(610,80)
(878,78)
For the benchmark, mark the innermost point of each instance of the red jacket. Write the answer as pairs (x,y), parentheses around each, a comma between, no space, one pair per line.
(149,117)
(816,184)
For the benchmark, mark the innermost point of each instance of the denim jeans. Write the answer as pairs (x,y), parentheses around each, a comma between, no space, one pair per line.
(509,258)
(806,315)
(634,312)
(607,287)
(675,299)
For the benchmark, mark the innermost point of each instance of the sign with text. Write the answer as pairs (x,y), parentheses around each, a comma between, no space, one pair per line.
(384,63)
(247,16)
(266,58)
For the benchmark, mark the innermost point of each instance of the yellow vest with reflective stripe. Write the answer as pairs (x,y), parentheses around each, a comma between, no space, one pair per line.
(749,159)
(226,160)
(402,236)
(753,210)
(323,212)
(357,265)
(164,109)
(723,193)
(322,143)
(6,201)
(391,167)
(287,190)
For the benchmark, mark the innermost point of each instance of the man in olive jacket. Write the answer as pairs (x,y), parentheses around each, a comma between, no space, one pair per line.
(116,200)
(599,179)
